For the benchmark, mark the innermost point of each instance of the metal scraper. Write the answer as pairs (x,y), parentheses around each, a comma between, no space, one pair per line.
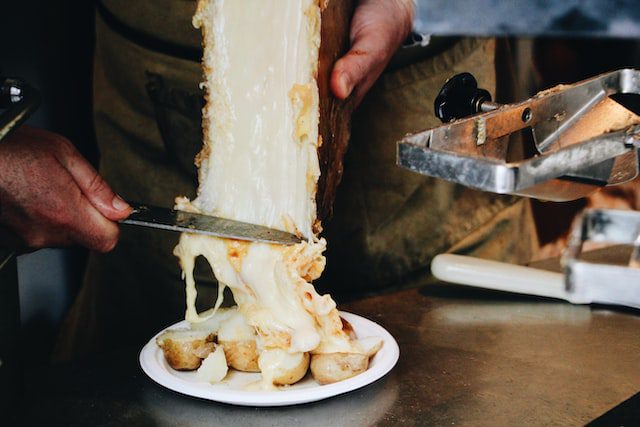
(181,221)
(583,282)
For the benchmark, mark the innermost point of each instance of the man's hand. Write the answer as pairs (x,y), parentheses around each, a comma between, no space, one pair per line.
(378,28)
(51,196)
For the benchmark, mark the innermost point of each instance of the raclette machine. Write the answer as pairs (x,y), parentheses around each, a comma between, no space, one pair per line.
(581,138)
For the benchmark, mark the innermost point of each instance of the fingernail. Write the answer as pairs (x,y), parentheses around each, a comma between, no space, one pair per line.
(119,204)
(346,83)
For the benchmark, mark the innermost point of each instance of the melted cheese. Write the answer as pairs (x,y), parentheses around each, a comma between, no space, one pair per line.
(259,164)
(275,363)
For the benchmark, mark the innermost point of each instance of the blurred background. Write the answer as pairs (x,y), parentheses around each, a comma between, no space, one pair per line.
(54,53)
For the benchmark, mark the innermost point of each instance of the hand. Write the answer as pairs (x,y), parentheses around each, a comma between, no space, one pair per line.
(51,196)
(378,28)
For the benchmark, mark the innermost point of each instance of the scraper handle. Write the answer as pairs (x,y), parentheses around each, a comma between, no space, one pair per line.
(498,276)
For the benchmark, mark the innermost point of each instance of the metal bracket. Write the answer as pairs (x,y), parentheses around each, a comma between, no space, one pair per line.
(472,151)
(614,284)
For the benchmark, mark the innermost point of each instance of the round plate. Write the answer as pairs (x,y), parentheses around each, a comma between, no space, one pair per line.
(232,389)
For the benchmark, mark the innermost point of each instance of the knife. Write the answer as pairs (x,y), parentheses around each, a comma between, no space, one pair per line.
(188,222)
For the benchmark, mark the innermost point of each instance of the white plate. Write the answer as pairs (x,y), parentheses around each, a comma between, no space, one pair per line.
(232,389)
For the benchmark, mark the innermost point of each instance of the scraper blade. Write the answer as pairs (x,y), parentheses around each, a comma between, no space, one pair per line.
(188,222)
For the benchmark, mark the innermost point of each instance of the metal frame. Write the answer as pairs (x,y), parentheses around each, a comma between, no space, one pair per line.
(516,178)
(472,151)
(609,284)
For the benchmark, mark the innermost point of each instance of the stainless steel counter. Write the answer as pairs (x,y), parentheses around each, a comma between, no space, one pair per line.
(467,357)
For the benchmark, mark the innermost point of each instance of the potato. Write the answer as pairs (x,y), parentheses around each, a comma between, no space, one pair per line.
(214,367)
(329,368)
(282,368)
(295,373)
(241,355)
(348,329)
(185,349)
(239,342)
(369,345)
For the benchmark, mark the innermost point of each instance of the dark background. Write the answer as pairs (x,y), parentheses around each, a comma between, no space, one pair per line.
(49,43)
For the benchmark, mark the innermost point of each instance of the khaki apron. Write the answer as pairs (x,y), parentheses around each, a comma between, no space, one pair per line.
(388,223)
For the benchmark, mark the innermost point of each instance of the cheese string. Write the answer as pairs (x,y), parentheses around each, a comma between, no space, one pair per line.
(191,315)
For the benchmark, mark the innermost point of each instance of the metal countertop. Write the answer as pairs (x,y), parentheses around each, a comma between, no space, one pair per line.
(467,357)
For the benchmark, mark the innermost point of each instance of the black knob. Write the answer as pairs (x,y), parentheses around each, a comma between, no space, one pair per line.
(460,97)
(11,91)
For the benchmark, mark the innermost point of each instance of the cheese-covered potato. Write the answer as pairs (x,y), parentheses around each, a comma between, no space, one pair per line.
(185,349)
(281,368)
(239,342)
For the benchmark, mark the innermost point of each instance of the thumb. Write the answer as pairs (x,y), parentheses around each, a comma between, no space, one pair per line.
(361,66)
(377,30)
(92,185)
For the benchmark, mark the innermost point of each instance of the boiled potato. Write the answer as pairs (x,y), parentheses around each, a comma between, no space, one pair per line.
(214,367)
(369,345)
(241,355)
(281,367)
(328,368)
(348,329)
(239,342)
(333,367)
(294,373)
(185,349)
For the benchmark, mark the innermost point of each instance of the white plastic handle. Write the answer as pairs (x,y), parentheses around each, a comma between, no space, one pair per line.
(499,276)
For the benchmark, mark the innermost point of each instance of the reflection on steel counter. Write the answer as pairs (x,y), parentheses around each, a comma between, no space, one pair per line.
(467,356)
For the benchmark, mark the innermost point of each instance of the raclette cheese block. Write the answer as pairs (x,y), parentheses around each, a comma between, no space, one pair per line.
(270,127)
